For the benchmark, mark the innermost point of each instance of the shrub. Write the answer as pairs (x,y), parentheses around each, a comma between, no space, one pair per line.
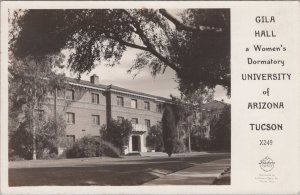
(16,158)
(84,148)
(47,156)
(108,149)
(117,133)
(154,139)
(20,142)
(48,132)
(92,147)
(200,143)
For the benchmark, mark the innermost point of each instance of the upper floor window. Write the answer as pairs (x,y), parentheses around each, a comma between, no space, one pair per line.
(120,119)
(147,123)
(95,98)
(70,118)
(120,101)
(134,121)
(60,93)
(146,105)
(40,114)
(96,119)
(133,103)
(70,94)
(158,108)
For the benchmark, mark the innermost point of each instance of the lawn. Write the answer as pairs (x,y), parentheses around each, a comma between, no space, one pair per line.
(132,171)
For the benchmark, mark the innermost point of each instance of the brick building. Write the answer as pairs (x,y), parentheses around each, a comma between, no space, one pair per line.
(89,105)
(214,110)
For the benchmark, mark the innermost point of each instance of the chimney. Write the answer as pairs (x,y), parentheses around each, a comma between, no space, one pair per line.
(94,79)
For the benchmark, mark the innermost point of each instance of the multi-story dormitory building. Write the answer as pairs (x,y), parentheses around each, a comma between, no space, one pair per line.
(89,105)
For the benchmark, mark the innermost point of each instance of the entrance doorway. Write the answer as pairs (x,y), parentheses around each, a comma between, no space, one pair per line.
(136,142)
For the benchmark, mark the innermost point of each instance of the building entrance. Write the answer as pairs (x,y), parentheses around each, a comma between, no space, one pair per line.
(136,143)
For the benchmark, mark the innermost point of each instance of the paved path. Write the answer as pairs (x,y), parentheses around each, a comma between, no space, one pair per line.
(199,174)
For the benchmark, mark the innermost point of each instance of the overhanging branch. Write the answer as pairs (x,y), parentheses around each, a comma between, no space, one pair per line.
(180,26)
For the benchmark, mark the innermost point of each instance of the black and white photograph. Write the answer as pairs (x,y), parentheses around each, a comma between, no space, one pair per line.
(119,97)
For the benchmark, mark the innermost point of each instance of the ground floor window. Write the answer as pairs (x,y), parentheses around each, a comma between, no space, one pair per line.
(147,123)
(96,119)
(70,118)
(70,140)
(134,121)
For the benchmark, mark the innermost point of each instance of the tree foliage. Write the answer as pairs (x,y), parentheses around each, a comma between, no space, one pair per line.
(187,108)
(31,79)
(117,133)
(220,132)
(195,44)
(169,129)
(154,139)
(48,134)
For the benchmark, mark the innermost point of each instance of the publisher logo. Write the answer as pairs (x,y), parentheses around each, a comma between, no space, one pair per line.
(266,164)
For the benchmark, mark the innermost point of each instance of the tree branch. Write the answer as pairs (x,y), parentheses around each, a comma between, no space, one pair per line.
(149,46)
(122,42)
(180,26)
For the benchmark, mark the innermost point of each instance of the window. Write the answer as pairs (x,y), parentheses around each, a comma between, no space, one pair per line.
(133,103)
(60,93)
(70,140)
(147,123)
(95,98)
(134,121)
(96,119)
(158,108)
(70,118)
(40,114)
(146,105)
(120,119)
(120,101)
(195,114)
(70,95)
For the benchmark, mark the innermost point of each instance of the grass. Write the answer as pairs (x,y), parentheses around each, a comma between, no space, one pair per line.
(121,174)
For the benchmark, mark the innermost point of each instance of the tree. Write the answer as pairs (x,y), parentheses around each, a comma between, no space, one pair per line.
(31,79)
(154,139)
(169,130)
(195,44)
(117,133)
(221,131)
(48,134)
(186,109)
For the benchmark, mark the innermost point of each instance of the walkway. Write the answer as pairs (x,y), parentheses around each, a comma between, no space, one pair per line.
(199,174)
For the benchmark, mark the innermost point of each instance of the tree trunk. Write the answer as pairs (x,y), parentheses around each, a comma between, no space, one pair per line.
(34,145)
(33,135)
(189,129)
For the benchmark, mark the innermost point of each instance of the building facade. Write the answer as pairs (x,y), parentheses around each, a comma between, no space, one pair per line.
(89,105)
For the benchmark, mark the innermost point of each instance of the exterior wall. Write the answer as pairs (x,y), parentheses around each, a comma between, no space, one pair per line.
(140,113)
(83,108)
(107,108)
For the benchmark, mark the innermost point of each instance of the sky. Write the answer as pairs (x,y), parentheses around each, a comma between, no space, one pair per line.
(162,85)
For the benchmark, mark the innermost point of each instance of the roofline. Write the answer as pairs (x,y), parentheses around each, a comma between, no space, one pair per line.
(109,88)
(87,86)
